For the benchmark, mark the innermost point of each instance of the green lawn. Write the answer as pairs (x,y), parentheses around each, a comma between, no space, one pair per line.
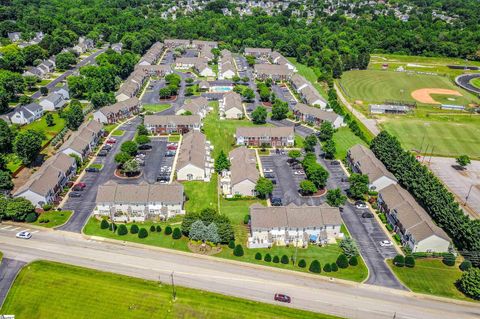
(55,218)
(41,126)
(449,135)
(13,162)
(344,139)
(59,288)
(96,165)
(299,141)
(475,82)
(109,127)
(174,138)
(155,107)
(118,133)
(431,276)
(201,195)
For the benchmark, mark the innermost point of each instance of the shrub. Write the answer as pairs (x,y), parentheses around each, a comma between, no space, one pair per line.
(465,265)
(284,259)
(246,219)
(158,229)
(449,259)
(342,261)
(315,267)
(142,233)
(267,258)
(152,228)
(177,234)
(302,263)
(327,268)
(231,244)
(353,261)
(334,267)
(134,229)
(389,227)
(104,224)
(399,260)
(31,217)
(409,261)
(238,250)
(258,256)
(276,259)
(168,230)
(47,207)
(112,227)
(122,230)
(469,283)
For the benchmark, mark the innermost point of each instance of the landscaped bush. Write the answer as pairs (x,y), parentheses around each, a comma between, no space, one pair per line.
(246,219)
(112,227)
(353,261)
(465,265)
(158,229)
(334,267)
(302,263)
(134,229)
(258,256)
(449,259)
(469,283)
(349,247)
(397,238)
(142,233)
(238,250)
(383,218)
(32,217)
(177,234)
(122,230)
(399,260)
(342,261)
(47,207)
(276,259)
(327,268)
(284,259)
(231,244)
(315,267)
(410,261)
(152,228)
(104,224)
(389,227)
(168,230)
(267,258)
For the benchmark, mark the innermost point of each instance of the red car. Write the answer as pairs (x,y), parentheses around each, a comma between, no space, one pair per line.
(111,141)
(171,147)
(282,298)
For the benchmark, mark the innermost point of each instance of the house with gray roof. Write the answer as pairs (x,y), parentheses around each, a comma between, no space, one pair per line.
(35,71)
(243,175)
(293,225)
(26,114)
(259,135)
(194,161)
(52,102)
(168,124)
(315,116)
(311,96)
(82,142)
(231,106)
(275,72)
(118,111)
(197,106)
(258,52)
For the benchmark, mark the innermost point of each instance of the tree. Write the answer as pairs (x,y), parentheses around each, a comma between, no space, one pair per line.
(5,181)
(142,139)
(238,251)
(327,268)
(130,167)
(30,81)
(335,197)
(104,224)
(65,60)
(329,149)
(449,259)
(399,260)
(129,147)
(310,143)
(25,99)
(6,137)
(259,115)
(326,131)
(469,283)
(18,208)
(100,99)
(231,244)
(112,227)
(134,229)
(307,187)
(248,94)
(34,52)
(342,261)
(142,130)
(465,265)
(250,60)
(315,267)
(264,187)
(279,110)
(284,260)
(463,160)
(122,230)
(258,256)
(358,185)
(212,233)
(189,81)
(31,218)
(165,93)
(143,233)
(177,234)
(189,91)
(353,261)
(334,267)
(294,154)
(27,146)
(221,162)
(122,157)
(409,261)
(74,115)
(302,263)
(44,91)
(349,247)
(236,78)
(168,230)
(267,258)
(49,120)
(198,231)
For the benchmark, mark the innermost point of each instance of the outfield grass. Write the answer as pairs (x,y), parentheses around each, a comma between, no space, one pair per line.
(155,107)
(431,276)
(375,86)
(41,126)
(344,139)
(476,82)
(448,135)
(55,218)
(64,291)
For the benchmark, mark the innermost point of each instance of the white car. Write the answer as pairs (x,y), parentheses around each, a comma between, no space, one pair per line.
(299,173)
(386,243)
(361,205)
(24,235)
(268,170)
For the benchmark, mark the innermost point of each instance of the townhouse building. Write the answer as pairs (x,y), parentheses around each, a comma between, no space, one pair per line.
(82,142)
(275,72)
(263,135)
(315,116)
(194,161)
(119,111)
(197,106)
(231,106)
(243,175)
(168,124)
(258,52)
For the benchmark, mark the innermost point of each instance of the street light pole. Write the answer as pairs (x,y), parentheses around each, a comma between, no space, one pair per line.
(468,195)
(174,293)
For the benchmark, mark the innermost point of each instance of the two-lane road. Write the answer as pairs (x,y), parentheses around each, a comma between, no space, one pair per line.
(309,292)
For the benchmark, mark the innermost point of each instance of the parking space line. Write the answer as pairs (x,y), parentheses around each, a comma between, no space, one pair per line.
(6,228)
(14,229)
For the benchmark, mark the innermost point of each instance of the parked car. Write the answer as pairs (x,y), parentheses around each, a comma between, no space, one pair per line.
(282,298)
(145,147)
(360,205)
(172,147)
(335,162)
(276,201)
(386,243)
(78,188)
(107,148)
(170,154)
(75,195)
(299,173)
(92,170)
(102,153)
(367,215)
(269,175)
(111,140)
(274,181)
(268,170)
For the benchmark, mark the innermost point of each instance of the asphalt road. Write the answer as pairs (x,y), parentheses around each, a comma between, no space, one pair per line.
(255,282)
(9,269)
(464,82)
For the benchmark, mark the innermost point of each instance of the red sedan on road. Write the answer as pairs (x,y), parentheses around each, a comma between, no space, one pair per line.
(282,298)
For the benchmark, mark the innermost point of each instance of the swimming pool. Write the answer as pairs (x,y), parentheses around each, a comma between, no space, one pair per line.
(221,89)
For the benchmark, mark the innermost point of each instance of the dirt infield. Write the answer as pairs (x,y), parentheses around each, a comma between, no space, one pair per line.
(423,95)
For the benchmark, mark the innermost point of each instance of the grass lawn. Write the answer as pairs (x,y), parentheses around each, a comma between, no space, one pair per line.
(475,82)
(431,276)
(201,195)
(13,162)
(96,165)
(41,126)
(155,107)
(59,287)
(109,127)
(55,218)
(344,139)
(309,74)
(174,138)
(299,141)
(449,135)
(118,133)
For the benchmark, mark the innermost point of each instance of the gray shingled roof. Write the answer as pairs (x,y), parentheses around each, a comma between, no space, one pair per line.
(243,165)
(111,192)
(368,164)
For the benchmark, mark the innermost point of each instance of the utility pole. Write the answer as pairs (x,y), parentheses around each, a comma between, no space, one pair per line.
(174,293)
(468,195)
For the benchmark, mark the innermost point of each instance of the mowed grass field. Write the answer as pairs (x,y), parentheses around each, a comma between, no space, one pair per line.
(52,290)
(377,86)
(476,82)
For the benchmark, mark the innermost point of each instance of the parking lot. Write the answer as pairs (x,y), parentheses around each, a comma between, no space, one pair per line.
(284,94)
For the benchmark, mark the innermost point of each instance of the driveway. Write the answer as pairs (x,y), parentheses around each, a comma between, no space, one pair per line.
(9,268)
